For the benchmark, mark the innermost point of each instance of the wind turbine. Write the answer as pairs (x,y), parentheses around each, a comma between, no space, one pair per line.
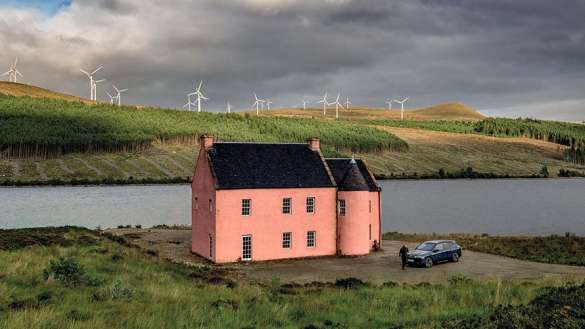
(13,72)
(112,98)
(95,83)
(401,107)
(92,89)
(304,105)
(229,107)
(200,96)
(325,103)
(389,104)
(258,103)
(268,102)
(337,105)
(189,102)
(347,103)
(119,95)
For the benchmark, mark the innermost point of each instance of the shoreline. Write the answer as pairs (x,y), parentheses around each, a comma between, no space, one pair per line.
(184,181)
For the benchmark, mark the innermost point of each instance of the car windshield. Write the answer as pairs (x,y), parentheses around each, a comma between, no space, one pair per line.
(427,246)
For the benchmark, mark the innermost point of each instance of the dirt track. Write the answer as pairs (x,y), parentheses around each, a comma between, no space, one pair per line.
(377,267)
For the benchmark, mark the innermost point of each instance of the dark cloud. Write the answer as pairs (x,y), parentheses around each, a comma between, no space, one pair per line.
(502,56)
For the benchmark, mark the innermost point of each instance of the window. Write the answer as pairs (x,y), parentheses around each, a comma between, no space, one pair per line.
(286,240)
(341,207)
(210,246)
(246,207)
(311,239)
(286,205)
(311,205)
(370,231)
(247,247)
(210,205)
(370,206)
(196,204)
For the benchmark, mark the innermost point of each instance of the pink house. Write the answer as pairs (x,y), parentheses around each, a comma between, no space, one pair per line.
(264,201)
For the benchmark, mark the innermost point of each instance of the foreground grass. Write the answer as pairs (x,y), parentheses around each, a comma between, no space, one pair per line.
(125,288)
(554,249)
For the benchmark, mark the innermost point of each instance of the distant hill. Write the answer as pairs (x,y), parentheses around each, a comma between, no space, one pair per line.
(447,111)
(19,89)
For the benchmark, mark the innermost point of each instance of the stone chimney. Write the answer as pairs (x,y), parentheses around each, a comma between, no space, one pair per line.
(314,143)
(206,141)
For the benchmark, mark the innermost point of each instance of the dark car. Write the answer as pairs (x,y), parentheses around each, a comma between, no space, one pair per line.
(433,252)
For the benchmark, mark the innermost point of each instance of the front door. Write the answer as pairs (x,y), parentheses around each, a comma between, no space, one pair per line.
(247,247)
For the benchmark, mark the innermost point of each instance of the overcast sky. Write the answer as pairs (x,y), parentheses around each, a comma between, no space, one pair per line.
(506,58)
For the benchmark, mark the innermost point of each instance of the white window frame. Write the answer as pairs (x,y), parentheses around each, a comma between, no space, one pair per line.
(246,210)
(286,206)
(287,240)
(310,204)
(244,238)
(342,207)
(311,239)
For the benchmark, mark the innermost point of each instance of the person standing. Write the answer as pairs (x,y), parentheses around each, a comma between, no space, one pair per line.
(403,253)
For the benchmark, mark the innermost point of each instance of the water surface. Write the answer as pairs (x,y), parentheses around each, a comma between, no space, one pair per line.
(534,206)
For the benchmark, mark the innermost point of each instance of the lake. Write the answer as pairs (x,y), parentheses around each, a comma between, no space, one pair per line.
(502,206)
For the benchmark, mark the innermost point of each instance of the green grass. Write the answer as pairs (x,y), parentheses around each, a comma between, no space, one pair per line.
(121,287)
(47,127)
(554,249)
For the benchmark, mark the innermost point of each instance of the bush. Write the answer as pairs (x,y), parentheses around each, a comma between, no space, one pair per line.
(67,271)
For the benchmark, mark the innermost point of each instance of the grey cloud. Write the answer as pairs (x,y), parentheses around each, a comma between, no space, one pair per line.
(491,54)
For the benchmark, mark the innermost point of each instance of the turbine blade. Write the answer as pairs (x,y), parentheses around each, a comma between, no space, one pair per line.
(123,90)
(200,84)
(17,72)
(99,68)
(15,61)
(85,72)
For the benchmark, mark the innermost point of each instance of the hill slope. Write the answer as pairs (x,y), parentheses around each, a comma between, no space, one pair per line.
(19,90)
(447,111)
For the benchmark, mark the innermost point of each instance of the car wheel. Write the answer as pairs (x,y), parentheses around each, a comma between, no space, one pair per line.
(428,262)
(455,258)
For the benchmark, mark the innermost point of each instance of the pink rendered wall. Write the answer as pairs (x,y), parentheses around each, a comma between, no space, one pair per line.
(375,218)
(354,226)
(267,223)
(202,219)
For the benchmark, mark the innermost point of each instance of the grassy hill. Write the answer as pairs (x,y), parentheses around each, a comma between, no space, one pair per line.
(19,90)
(447,111)
(54,140)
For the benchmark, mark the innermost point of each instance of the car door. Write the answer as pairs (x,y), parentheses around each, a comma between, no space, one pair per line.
(437,252)
(447,251)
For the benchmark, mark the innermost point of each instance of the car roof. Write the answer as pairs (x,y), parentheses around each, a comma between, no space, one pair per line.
(439,241)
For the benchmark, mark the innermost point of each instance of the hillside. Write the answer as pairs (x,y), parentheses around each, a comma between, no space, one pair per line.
(447,111)
(19,90)
(45,140)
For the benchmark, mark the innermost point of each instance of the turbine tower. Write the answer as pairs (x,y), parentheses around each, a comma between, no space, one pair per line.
(268,102)
(229,107)
(13,73)
(95,83)
(304,105)
(401,107)
(347,103)
(325,103)
(337,106)
(112,98)
(189,102)
(92,89)
(119,94)
(258,103)
(200,96)
(389,104)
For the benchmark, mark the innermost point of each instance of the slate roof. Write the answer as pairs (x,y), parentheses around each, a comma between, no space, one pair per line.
(264,165)
(352,175)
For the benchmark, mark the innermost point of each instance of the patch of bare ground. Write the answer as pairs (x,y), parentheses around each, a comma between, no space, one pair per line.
(378,267)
